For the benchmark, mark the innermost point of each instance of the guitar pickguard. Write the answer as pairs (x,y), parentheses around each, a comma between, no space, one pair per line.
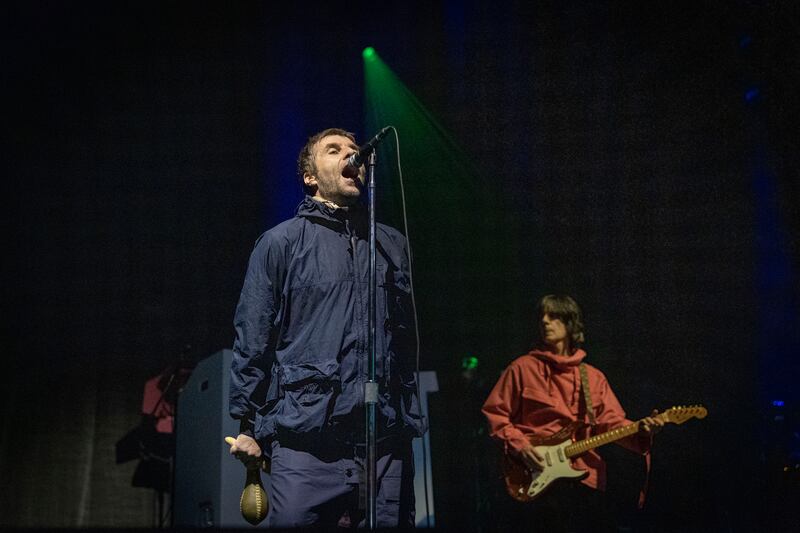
(524,484)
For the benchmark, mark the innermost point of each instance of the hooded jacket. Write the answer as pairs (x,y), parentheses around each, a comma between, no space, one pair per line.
(540,394)
(300,352)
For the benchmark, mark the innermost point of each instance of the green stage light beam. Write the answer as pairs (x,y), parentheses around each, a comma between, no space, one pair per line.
(428,150)
(464,244)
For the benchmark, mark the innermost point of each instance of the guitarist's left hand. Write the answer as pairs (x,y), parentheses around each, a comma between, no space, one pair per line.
(650,425)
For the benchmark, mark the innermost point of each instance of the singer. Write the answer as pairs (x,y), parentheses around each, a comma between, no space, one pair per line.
(300,353)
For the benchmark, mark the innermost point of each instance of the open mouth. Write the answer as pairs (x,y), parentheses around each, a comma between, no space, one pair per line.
(350,172)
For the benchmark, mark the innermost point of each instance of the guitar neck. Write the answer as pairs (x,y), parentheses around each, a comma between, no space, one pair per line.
(608,437)
(673,415)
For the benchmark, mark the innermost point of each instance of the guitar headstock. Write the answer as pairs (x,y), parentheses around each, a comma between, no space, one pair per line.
(679,415)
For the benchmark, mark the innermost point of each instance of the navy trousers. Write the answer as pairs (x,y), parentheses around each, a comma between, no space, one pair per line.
(324,486)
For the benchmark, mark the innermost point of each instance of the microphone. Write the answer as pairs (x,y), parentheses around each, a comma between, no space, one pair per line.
(357,159)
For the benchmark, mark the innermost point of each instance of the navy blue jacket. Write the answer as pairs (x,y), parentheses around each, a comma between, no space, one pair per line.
(300,354)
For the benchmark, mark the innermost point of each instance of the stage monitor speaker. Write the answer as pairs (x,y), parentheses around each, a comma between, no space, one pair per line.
(208,480)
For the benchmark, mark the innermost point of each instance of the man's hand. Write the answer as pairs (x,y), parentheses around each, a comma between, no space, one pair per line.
(531,458)
(651,425)
(246,449)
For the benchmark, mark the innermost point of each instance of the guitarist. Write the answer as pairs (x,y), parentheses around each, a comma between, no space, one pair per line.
(539,394)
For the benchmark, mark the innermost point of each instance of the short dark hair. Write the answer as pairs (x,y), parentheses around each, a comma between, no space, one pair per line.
(567,310)
(305,161)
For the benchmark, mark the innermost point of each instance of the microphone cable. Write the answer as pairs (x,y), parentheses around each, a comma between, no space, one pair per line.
(416,324)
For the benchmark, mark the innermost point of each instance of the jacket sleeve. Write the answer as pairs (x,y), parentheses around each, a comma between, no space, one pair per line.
(610,415)
(501,405)
(253,348)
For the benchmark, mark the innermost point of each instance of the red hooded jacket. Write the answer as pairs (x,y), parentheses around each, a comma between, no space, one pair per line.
(540,393)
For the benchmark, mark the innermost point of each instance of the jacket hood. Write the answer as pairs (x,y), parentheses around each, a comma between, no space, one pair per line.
(563,369)
(560,362)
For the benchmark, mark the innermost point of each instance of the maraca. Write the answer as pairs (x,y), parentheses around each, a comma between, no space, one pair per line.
(254,503)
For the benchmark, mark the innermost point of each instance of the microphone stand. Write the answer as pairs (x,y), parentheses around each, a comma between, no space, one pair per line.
(371,386)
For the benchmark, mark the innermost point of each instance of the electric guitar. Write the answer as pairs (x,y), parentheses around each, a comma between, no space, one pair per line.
(524,484)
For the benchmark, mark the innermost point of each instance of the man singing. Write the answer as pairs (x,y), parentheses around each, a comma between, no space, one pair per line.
(300,353)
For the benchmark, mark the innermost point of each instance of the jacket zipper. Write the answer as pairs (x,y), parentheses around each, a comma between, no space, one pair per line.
(359,318)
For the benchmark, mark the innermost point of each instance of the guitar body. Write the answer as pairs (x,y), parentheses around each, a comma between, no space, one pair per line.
(524,484)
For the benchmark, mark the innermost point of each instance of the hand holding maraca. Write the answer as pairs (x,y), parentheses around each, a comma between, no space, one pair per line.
(246,449)
(254,503)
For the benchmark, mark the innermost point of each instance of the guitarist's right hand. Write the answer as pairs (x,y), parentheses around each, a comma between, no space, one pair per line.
(531,458)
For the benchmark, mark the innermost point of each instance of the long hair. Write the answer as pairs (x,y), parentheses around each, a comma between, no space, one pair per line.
(567,310)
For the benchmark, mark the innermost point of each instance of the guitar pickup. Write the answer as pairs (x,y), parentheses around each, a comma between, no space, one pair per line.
(547,458)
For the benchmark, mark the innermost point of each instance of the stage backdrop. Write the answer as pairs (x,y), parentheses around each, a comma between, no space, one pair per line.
(640,157)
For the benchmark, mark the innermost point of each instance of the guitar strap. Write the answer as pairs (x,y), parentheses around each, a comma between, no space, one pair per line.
(587,398)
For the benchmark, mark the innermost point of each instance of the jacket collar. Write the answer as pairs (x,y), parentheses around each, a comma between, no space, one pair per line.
(352,216)
(561,362)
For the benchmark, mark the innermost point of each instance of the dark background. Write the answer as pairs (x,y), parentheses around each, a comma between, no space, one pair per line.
(640,156)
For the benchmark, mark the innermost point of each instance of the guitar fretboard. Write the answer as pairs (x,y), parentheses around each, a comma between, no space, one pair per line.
(599,440)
